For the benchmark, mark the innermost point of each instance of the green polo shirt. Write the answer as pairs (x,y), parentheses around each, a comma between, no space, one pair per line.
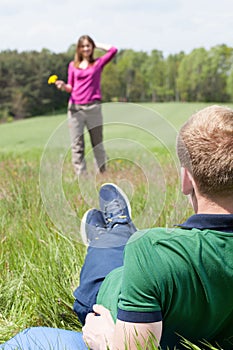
(182,276)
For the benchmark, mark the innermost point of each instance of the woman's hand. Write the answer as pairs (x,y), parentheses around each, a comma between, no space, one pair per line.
(61,85)
(99,329)
(102,46)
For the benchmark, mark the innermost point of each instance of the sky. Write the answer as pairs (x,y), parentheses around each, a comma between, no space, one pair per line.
(170,26)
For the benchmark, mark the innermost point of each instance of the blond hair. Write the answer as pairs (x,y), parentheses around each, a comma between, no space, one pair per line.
(205,148)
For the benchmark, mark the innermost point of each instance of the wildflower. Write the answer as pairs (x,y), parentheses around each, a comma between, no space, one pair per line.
(52,79)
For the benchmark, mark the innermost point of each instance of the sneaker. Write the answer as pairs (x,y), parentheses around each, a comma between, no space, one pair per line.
(114,205)
(92,225)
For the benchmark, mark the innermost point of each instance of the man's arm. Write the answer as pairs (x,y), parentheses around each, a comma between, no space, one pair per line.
(129,335)
(100,332)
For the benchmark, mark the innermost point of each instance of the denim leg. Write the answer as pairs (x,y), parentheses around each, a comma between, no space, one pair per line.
(45,338)
(103,255)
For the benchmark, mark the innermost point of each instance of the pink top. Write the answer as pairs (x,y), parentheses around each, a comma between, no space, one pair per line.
(86,82)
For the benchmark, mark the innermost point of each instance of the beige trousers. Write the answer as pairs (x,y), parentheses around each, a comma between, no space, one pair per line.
(89,116)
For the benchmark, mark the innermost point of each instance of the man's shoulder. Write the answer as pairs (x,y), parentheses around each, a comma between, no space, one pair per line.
(157,234)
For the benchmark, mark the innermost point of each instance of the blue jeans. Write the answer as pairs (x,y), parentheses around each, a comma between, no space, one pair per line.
(103,255)
(45,338)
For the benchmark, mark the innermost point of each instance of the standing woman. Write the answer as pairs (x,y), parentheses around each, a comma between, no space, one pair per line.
(84,108)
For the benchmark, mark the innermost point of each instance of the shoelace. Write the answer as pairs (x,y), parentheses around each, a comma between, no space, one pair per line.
(114,210)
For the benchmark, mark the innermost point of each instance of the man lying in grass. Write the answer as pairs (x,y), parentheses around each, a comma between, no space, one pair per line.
(164,284)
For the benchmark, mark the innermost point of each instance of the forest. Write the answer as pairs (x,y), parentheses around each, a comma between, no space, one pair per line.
(133,76)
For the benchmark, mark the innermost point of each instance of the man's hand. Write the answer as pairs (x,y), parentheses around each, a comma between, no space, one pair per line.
(99,329)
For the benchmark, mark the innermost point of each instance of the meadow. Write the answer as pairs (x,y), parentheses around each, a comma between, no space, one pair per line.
(42,202)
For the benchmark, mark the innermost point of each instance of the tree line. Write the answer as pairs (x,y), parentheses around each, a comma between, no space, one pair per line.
(134,76)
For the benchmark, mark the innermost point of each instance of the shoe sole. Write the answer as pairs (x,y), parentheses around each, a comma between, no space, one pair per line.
(83,227)
(122,193)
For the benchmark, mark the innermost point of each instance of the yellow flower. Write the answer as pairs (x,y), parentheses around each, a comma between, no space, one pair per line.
(52,79)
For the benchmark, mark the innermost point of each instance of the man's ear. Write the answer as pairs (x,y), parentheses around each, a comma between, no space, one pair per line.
(186,181)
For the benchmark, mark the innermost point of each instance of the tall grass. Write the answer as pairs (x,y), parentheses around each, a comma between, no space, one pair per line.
(39,265)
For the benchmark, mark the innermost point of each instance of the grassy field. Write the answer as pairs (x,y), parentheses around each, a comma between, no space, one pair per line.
(41,202)
(31,135)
